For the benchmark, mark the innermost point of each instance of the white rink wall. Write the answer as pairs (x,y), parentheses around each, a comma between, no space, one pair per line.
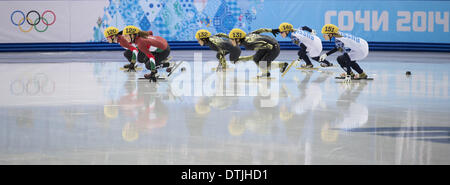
(73,20)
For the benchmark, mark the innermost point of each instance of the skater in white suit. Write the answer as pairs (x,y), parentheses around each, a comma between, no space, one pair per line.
(310,45)
(354,48)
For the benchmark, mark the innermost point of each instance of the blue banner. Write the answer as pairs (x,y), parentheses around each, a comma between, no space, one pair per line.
(375,21)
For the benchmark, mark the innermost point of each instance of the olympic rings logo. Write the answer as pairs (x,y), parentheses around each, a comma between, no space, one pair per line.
(39,83)
(32,21)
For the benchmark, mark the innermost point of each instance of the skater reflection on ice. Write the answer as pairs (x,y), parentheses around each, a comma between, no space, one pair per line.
(351,114)
(103,115)
(142,113)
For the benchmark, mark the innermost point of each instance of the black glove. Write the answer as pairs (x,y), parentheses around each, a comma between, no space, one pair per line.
(306,28)
(275,32)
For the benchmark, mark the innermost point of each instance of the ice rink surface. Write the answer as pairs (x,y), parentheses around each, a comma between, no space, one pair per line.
(79,108)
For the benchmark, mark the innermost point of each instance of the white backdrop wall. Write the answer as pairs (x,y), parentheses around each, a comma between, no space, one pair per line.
(73,20)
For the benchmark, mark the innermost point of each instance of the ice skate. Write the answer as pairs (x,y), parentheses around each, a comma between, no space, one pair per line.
(170,67)
(131,68)
(174,68)
(126,66)
(361,76)
(152,76)
(220,68)
(283,68)
(345,75)
(326,65)
(293,63)
(307,67)
(263,75)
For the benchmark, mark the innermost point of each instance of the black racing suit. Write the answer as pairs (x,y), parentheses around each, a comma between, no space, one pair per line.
(267,47)
(223,47)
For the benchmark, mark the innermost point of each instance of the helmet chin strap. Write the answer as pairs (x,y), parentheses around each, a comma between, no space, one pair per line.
(332,38)
(133,39)
(206,40)
(241,40)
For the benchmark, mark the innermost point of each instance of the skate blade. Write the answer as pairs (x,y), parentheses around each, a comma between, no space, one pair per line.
(175,68)
(330,67)
(227,69)
(264,78)
(289,67)
(137,69)
(303,68)
(159,78)
(342,78)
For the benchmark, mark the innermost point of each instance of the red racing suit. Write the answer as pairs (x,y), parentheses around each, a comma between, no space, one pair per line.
(152,43)
(125,44)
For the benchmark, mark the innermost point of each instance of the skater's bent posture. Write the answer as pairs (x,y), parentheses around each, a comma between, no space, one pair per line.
(310,44)
(354,48)
(113,35)
(155,48)
(222,46)
(266,47)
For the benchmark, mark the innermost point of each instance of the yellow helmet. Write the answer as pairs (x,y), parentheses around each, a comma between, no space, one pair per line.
(202,109)
(236,127)
(110,111)
(285,115)
(130,30)
(330,28)
(236,33)
(110,31)
(202,34)
(328,135)
(130,132)
(285,27)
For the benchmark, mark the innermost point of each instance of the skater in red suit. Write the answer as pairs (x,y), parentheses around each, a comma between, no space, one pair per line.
(113,35)
(155,48)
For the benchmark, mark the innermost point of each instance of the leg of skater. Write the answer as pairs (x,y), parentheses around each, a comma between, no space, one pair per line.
(235,52)
(161,60)
(222,62)
(302,55)
(131,57)
(142,58)
(151,65)
(358,69)
(128,54)
(272,55)
(259,55)
(161,57)
(344,62)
